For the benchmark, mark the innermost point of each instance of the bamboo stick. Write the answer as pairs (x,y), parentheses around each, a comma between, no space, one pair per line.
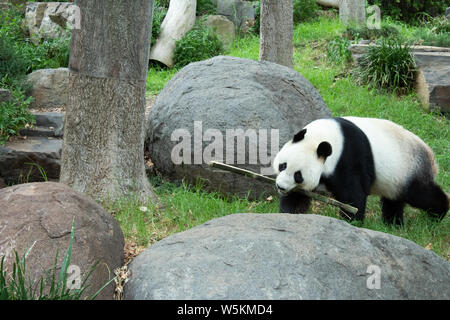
(263,178)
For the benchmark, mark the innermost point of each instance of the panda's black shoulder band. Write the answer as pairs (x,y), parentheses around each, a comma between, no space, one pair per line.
(299,136)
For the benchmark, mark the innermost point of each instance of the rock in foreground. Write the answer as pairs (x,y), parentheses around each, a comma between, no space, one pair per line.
(279,256)
(43,212)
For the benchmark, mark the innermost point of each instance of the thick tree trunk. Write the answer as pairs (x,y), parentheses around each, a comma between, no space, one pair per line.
(277,31)
(329,3)
(103,148)
(352,11)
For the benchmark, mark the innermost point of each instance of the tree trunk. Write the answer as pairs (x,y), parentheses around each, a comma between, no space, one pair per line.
(329,3)
(180,18)
(277,31)
(352,11)
(103,148)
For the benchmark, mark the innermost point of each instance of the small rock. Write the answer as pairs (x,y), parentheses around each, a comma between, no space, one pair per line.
(49,87)
(5,95)
(223,27)
(19,159)
(237,11)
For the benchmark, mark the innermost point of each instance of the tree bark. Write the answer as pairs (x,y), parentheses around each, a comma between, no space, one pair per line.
(103,147)
(329,3)
(352,11)
(277,31)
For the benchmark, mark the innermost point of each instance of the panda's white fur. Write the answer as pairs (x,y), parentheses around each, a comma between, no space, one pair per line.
(395,152)
(397,157)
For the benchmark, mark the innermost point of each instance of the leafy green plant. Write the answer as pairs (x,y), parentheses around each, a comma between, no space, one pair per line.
(198,44)
(159,14)
(13,65)
(18,286)
(205,7)
(362,32)
(338,52)
(388,65)
(304,10)
(14,115)
(410,10)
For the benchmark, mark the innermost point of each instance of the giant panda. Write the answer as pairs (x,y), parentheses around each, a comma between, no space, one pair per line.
(353,157)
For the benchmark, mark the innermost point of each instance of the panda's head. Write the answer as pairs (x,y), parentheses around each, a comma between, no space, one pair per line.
(300,162)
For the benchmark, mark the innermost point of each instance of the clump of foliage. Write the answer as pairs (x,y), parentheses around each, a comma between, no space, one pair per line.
(198,44)
(338,51)
(362,32)
(389,65)
(17,286)
(14,115)
(159,13)
(205,7)
(410,10)
(433,32)
(304,10)
(48,53)
(13,65)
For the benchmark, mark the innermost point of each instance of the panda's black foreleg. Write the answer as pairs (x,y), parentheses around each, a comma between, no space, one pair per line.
(356,198)
(294,203)
(392,211)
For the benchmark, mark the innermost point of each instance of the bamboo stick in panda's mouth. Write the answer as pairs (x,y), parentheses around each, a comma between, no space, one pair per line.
(263,178)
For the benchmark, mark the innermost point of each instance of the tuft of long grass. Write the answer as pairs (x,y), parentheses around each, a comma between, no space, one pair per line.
(388,65)
(18,286)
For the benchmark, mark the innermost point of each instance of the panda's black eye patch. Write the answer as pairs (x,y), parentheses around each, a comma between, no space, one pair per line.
(282,166)
(298,177)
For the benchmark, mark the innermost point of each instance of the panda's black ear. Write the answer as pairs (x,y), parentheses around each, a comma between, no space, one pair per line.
(299,136)
(324,150)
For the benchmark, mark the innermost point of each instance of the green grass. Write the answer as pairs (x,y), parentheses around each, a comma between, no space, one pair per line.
(188,206)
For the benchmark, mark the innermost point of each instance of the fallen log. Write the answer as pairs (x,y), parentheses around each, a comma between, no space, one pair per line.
(263,178)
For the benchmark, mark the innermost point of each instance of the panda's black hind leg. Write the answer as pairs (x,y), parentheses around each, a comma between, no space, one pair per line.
(294,203)
(428,197)
(392,211)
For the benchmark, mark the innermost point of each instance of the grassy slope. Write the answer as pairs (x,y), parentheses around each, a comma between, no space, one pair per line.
(187,206)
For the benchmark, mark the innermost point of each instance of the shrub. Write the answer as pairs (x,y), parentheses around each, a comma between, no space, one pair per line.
(410,10)
(338,52)
(361,32)
(14,115)
(198,44)
(304,10)
(158,17)
(13,65)
(389,65)
(205,7)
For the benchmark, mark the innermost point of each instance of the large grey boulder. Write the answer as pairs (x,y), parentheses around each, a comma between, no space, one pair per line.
(49,87)
(43,213)
(281,256)
(244,110)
